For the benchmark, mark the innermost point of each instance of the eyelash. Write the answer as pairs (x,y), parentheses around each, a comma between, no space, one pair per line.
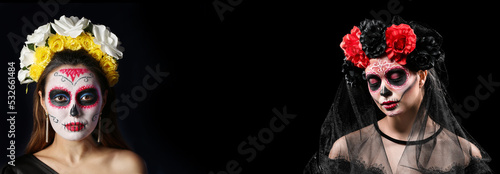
(86,94)
(81,96)
(61,104)
(61,95)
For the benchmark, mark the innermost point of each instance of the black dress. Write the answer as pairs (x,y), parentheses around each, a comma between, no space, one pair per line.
(364,153)
(436,144)
(28,164)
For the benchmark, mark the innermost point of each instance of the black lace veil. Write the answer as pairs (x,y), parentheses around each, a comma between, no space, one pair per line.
(437,142)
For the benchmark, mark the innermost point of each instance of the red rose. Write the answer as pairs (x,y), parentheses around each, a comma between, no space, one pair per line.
(401,41)
(352,49)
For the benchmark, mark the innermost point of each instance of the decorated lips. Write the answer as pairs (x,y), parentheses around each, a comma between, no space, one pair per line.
(74,126)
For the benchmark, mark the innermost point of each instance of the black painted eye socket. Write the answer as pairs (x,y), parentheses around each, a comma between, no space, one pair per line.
(59,97)
(87,97)
(396,77)
(373,81)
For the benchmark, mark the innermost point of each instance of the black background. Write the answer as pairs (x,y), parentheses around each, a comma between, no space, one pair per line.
(225,77)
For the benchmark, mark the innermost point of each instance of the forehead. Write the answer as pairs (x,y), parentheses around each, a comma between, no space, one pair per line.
(381,66)
(70,77)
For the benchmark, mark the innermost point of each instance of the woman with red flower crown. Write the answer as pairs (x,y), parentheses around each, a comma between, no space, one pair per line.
(391,113)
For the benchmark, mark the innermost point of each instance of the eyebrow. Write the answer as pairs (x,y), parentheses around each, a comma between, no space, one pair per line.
(59,88)
(371,75)
(85,87)
(398,67)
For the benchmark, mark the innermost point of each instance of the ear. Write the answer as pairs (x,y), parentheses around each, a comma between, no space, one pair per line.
(422,74)
(42,101)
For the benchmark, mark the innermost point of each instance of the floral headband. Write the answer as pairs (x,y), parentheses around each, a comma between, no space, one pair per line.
(410,44)
(74,34)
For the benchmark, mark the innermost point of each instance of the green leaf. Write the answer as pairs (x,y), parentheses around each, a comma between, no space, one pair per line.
(52,30)
(89,29)
(31,47)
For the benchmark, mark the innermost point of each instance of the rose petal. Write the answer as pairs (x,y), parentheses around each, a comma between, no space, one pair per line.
(72,26)
(107,40)
(22,75)
(40,35)
(27,57)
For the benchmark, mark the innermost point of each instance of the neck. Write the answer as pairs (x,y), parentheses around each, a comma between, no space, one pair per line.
(73,151)
(400,126)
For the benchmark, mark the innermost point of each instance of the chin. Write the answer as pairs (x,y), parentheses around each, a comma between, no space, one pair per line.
(75,136)
(392,112)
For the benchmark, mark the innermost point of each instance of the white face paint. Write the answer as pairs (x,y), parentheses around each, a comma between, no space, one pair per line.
(392,86)
(73,101)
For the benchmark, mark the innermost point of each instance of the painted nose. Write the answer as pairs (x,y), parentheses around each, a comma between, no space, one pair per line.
(73,112)
(385,92)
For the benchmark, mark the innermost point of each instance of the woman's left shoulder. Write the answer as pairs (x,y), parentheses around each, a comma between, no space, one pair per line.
(126,161)
(469,148)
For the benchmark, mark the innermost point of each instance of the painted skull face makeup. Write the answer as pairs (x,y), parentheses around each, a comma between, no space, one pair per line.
(73,101)
(391,85)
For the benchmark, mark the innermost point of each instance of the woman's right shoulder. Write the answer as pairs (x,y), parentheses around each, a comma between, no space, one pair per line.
(340,149)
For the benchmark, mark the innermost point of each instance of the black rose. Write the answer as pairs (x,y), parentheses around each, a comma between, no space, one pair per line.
(426,53)
(372,37)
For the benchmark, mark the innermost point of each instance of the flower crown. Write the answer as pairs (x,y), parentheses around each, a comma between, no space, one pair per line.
(399,42)
(74,34)
(406,43)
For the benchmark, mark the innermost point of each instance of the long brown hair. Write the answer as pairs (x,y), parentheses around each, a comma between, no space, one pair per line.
(110,135)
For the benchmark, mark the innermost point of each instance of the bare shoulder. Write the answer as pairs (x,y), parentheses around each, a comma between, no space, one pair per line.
(339,149)
(126,161)
(474,151)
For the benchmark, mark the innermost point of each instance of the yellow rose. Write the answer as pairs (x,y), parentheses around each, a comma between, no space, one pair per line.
(72,44)
(35,71)
(96,53)
(112,77)
(43,56)
(56,42)
(108,63)
(87,41)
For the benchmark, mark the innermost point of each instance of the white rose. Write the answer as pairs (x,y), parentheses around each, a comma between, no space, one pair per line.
(22,75)
(71,26)
(40,35)
(27,57)
(107,40)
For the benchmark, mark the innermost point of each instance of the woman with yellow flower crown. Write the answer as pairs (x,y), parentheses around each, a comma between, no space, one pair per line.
(74,63)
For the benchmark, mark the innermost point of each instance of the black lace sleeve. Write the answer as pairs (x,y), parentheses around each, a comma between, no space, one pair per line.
(477,166)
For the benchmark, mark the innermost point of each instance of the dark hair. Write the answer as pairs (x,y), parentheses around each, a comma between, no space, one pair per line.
(110,137)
